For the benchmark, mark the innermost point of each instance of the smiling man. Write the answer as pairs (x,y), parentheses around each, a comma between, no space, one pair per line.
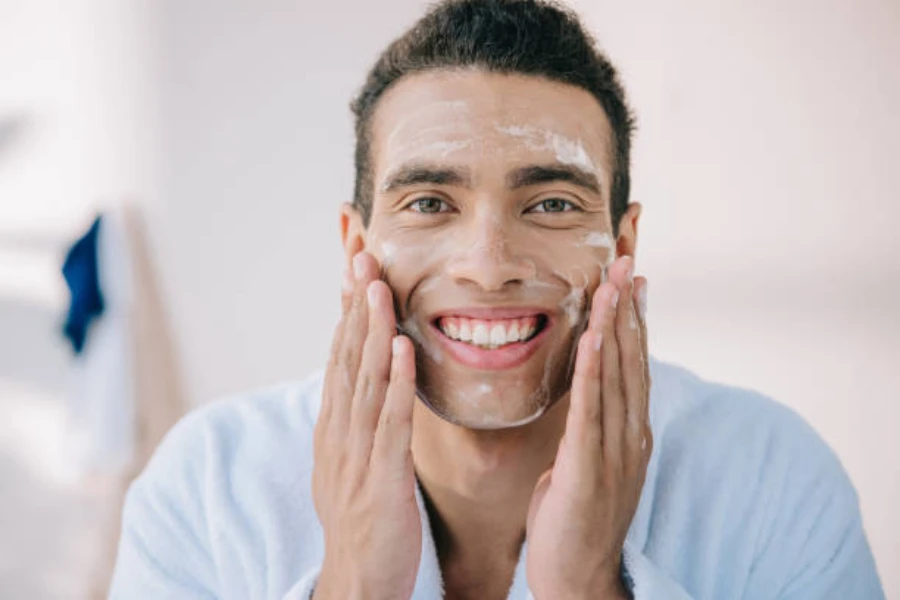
(490,424)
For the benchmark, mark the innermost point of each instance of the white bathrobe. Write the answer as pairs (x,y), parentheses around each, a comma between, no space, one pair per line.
(742,500)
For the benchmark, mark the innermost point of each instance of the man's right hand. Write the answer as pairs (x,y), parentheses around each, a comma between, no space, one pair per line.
(363,478)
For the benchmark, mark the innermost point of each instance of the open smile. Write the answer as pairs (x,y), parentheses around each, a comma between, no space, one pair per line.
(491,339)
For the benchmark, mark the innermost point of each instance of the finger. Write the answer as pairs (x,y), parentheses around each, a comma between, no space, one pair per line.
(329,385)
(641,295)
(375,367)
(393,436)
(600,305)
(631,371)
(584,423)
(587,393)
(332,372)
(353,335)
(611,386)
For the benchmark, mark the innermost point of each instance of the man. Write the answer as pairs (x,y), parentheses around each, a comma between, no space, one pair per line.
(486,425)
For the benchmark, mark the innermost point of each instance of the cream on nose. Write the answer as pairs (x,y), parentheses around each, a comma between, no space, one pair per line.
(487,256)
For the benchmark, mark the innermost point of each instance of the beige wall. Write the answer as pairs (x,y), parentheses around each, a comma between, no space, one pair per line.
(764,160)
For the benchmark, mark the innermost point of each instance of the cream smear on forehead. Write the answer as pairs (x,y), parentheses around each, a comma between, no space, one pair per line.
(566,150)
(432,125)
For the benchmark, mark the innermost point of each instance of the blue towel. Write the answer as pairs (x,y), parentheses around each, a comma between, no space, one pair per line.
(82,275)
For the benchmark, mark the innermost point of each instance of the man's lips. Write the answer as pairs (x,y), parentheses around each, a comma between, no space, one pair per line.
(491,338)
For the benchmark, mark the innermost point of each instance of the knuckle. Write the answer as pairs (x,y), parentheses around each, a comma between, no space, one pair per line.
(593,436)
(346,355)
(357,300)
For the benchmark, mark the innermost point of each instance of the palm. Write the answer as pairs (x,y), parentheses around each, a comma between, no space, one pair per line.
(550,515)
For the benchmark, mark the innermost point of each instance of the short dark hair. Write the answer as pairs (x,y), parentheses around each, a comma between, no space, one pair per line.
(526,37)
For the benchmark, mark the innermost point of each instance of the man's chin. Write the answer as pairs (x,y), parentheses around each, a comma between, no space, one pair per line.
(489,404)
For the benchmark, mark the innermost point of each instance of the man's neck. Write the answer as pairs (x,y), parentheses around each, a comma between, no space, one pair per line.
(478,484)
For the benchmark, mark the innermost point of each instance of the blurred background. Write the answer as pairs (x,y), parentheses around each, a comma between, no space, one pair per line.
(216,139)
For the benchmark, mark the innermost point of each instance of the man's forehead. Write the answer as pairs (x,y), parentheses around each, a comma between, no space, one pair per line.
(440,115)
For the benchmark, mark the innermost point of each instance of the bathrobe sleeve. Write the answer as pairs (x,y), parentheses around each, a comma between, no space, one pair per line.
(816,546)
(823,555)
(645,580)
(811,544)
(166,548)
(304,588)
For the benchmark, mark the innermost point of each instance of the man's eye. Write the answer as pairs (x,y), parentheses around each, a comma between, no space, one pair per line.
(553,205)
(429,204)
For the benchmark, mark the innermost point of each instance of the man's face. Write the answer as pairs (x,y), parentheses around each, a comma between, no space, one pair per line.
(490,217)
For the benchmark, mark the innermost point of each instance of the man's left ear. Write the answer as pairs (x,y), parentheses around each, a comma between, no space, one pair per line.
(353,231)
(626,243)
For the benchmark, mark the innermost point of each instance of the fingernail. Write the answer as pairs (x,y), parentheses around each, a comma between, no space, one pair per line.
(614,301)
(642,301)
(395,344)
(358,266)
(598,341)
(370,294)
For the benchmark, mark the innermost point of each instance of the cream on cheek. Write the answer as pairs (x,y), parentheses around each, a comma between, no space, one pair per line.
(400,262)
(559,273)
(551,271)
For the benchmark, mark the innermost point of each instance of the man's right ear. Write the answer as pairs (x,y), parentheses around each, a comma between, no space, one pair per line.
(353,231)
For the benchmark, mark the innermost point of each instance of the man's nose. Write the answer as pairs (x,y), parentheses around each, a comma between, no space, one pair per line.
(488,256)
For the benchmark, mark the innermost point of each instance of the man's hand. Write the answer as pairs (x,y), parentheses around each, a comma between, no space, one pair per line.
(582,507)
(363,479)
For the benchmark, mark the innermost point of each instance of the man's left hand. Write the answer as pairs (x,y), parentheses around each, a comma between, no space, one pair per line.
(582,508)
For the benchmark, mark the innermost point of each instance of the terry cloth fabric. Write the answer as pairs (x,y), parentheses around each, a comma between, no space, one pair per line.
(81,273)
(742,499)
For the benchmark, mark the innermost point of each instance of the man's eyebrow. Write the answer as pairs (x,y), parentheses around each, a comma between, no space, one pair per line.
(536,174)
(409,175)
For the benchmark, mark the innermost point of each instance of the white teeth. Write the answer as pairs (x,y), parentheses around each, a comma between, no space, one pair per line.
(498,335)
(480,335)
(488,334)
(465,334)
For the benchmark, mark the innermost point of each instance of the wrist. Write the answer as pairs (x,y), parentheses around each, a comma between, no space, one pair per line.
(609,587)
(331,587)
(336,582)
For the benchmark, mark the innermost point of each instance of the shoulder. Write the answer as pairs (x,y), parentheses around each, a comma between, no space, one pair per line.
(736,440)
(237,435)
(695,413)
(227,485)
(733,469)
